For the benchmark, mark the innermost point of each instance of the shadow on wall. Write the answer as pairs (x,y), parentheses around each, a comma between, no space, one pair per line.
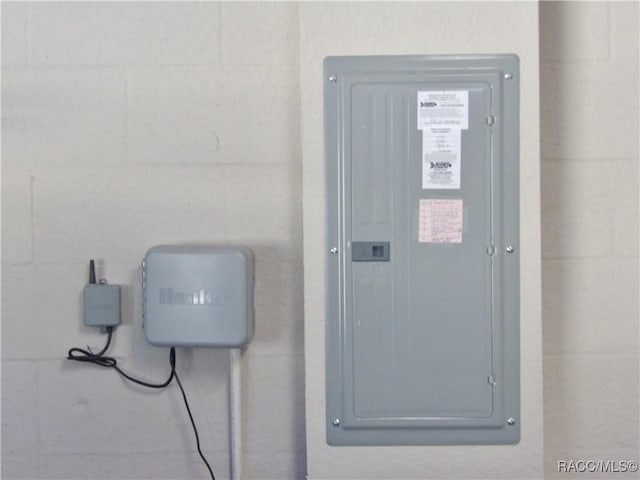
(550,192)
(589,278)
(553,209)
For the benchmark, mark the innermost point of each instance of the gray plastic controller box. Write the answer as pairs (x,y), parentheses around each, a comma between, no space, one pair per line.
(198,296)
(101,305)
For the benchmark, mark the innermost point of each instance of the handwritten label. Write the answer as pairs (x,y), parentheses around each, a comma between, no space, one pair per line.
(440,221)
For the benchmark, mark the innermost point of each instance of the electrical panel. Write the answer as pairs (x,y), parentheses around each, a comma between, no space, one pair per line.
(422,325)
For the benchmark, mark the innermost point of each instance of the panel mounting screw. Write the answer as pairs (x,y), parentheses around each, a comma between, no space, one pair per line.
(333,78)
(336,422)
(511,421)
(509,249)
(508,75)
(334,250)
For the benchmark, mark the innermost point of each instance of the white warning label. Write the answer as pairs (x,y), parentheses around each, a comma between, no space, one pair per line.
(442,115)
(443,109)
(441,158)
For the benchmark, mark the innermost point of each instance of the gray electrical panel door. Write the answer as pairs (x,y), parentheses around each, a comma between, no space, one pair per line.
(422,323)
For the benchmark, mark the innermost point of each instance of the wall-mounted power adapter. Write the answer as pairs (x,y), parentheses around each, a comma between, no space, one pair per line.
(101,302)
(198,296)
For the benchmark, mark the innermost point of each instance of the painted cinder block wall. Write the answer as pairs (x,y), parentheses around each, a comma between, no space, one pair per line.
(126,125)
(589,125)
(420,28)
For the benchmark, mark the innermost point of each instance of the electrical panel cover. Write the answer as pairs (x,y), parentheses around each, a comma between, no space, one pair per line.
(422,254)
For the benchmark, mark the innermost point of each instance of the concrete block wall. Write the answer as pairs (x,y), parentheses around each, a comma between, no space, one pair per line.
(126,125)
(589,130)
(368,28)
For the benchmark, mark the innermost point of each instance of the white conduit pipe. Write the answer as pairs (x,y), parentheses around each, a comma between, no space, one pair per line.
(235,412)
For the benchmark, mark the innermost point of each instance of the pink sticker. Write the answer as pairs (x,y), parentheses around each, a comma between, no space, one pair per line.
(440,221)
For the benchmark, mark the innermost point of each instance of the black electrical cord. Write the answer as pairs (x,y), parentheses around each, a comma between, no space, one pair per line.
(81,355)
(195,430)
